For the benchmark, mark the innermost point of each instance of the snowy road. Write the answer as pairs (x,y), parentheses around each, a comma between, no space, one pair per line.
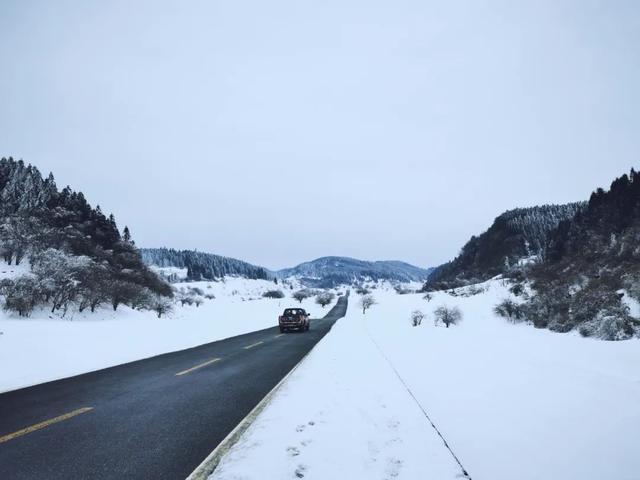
(155,418)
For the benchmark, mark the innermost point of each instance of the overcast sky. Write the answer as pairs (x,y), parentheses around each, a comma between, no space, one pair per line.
(281,131)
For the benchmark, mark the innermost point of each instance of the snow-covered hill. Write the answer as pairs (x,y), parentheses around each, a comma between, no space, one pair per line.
(331,271)
(514,235)
(200,265)
(324,272)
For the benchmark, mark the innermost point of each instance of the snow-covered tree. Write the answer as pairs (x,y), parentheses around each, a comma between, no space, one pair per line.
(447,315)
(416,318)
(366,302)
(325,298)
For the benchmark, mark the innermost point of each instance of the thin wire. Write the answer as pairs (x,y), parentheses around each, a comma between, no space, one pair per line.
(424,412)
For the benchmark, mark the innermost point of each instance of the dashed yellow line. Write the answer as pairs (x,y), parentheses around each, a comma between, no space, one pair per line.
(189,370)
(44,424)
(253,345)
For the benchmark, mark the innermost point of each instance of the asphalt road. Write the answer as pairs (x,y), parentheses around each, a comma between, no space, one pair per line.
(155,418)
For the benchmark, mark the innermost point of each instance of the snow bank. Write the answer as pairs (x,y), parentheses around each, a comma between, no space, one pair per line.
(512,401)
(46,347)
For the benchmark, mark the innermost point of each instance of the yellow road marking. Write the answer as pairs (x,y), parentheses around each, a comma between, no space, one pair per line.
(44,424)
(189,370)
(252,345)
(278,336)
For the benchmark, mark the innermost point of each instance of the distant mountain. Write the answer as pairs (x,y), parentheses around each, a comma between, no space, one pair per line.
(515,235)
(331,271)
(202,266)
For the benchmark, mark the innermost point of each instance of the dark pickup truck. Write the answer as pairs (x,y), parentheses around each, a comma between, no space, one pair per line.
(294,319)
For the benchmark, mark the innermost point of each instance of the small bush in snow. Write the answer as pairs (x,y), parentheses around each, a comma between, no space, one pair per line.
(428,297)
(273,294)
(416,318)
(400,290)
(447,315)
(186,300)
(510,310)
(366,302)
(210,296)
(303,294)
(325,298)
(196,291)
(362,291)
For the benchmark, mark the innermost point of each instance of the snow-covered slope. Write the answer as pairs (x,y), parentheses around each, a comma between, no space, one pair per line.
(513,402)
(200,265)
(330,271)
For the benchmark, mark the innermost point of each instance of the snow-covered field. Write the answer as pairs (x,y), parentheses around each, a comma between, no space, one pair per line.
(46,347)
(513,402)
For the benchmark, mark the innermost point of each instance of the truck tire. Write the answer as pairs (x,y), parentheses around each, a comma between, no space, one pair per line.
(281,330)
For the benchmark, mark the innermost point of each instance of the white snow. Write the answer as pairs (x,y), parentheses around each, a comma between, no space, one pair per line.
(513,402)
(180,273)
(46,347)
(342,414)
(13,271)
(632,304)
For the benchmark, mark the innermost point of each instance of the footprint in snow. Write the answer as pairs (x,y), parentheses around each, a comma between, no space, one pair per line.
(393,425)
(300,428)
(293,451)
(300,471)
(393,467)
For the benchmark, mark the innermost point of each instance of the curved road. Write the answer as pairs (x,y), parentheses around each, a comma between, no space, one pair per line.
(155,418)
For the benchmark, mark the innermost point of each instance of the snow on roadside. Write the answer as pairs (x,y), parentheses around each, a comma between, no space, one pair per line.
(512,401)
(342,414)
(46,347)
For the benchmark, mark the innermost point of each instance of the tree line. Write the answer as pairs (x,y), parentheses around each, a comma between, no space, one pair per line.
(77,255)
(202,266)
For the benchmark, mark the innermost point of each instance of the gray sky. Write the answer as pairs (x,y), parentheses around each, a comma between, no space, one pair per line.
(277,132)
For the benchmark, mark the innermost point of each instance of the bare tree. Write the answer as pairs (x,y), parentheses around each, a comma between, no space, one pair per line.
(366,302)
(510,310)
(416,318)
(325,298)
(160,305)
(447,315)
(186,299)
(301,295)
(21,294)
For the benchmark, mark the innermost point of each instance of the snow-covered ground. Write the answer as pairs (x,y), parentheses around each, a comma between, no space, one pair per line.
(513,402)
(342,414)
(46,347)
